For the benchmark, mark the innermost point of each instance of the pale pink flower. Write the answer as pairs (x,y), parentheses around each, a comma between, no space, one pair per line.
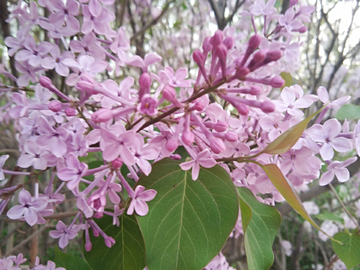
(63,233)
(139,199)
(28,209)
(338,169)
(203,158)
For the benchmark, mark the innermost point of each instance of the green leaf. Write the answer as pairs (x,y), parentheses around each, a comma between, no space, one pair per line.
(348,111)
(260,223)
(188,221)
(285,141)
(69,262)
(287,191)
(349,252)
(287,78)
(329,216)
(128,252)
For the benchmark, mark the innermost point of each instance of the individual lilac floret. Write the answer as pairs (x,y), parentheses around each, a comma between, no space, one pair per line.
(203,158)
(328,136)
(63,233)
(29,208)
(337,168)
(139,199)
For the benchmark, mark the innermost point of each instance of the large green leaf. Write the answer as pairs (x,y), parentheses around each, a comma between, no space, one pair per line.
(188,221)
(349,252)
(348,111)
(127,253)
(285,141)
(69,262)
(260,223)
(287,191)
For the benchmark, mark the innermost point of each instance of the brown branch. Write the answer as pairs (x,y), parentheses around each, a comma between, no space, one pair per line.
(164,12)
(5,27)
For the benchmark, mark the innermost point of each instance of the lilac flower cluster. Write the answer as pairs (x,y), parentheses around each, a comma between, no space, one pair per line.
(135,121)
(16,263)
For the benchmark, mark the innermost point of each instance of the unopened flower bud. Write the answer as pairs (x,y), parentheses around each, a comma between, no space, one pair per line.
(254,42)
(198,57)
(217,38)
(257,60)
(231,136)
(242,109)
(169,93)
(117,163)
(102,115)
(175,157)
(45,82)
(255,90)
(187,137)
(145,80)
(85,86)
(55,106)
(217,145)
(302,29)
(98,215)
(70,111)
(277,82)
(172,144)
(88,246)
(229,42)
(273,56)
(242,72)
(221,51)
(207,47)
(221,126)
(267,106)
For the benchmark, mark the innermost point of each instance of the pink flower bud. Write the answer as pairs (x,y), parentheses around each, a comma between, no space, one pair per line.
(109,241)
(98,215)
(187,137)
(277,82)
(217,145)
(229,42)
(45,82)
(198,57)
(254,42)
(231,136)
(217,38)
(85,86)
(267,106)
(302,29)
(273,56)
(255,90)
(199,105)
(169,93)
(175,157)
(257,60)
(221,126)
(221,51)
(102,115)
(172,144)
(70,111)
(145,80)
(207,47)
(242,72)
(88,246)
(242,109)
(117,163)
(55,106)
